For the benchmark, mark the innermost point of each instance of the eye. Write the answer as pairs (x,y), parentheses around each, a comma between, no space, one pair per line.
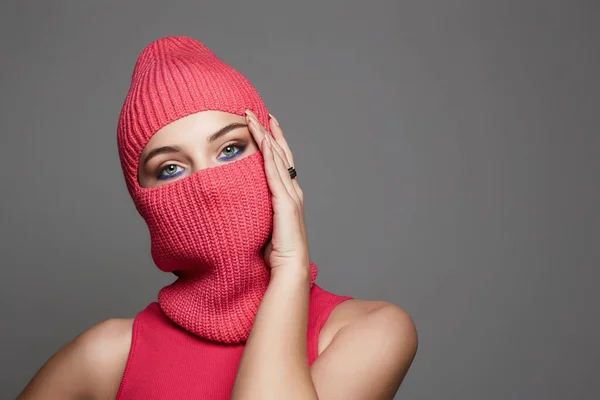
(169,171)
(231,151)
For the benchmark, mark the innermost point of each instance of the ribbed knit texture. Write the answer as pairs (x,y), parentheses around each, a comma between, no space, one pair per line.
(168,363)
(209,228)
(174,77)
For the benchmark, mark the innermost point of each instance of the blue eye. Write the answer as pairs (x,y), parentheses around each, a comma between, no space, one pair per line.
(170,171)
(231,151)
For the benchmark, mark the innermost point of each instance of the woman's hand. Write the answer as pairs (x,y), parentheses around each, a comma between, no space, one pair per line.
(288,248)
(275,363)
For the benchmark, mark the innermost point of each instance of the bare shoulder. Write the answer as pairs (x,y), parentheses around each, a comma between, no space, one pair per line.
(90,366)
(105,349)
(380,315)
(365,351)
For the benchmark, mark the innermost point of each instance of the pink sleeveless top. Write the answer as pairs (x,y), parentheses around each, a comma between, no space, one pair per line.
(168,363)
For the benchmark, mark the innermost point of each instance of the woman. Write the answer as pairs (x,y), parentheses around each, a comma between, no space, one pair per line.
(211,173)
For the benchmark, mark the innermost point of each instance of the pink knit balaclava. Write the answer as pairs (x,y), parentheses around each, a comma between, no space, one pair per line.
(208,228)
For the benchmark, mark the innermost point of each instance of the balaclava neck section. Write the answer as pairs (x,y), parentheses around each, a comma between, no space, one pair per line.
(208,228)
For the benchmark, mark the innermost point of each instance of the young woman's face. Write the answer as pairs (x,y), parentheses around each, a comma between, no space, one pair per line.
(202,140)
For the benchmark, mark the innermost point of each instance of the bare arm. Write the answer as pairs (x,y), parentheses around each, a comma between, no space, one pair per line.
(370,350)
(89,367)
(275,363)
(369,355)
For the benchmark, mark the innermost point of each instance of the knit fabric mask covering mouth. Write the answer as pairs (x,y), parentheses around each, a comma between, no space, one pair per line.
(208,228)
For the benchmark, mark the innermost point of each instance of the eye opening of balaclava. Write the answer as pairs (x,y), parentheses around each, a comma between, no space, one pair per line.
(210,227)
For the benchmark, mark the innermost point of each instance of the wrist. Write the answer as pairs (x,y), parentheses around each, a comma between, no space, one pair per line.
(298,273)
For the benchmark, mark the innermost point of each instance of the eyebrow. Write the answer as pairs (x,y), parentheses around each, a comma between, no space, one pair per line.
(224,130)
(176,149)
(161,150)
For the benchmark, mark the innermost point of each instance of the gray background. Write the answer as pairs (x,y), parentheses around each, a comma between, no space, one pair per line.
(448,151)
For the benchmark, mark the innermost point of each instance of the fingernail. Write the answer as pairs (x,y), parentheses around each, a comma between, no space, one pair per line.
(274,119)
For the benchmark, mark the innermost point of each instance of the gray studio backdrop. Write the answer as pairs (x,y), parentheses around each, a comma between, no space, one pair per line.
(448,151)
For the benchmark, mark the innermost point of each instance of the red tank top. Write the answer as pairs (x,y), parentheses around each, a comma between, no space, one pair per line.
(167,363)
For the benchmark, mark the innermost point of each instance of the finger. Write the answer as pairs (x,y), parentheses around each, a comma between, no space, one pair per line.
(292,187)
(289,183)
(280,157)
(259,131)
(283,172)
(279,139)
(287,165)
(275,160)
(280,152)
(285,148)
(278,135)
(274,180)
(256,130)
(255,123)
